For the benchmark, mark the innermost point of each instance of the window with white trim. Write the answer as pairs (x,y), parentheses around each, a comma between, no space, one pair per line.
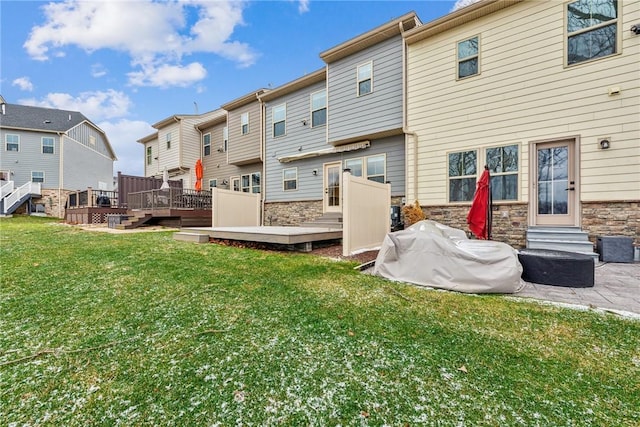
(468,52)
(319,108)
(592,29)
(365,79)
(168,141)
(503,169)
(149,155)
(213,183)
(12,142)
(290,179)
(225,139)
(206,144)
(48,145)
(372,168)
(463,172)
(235,183)
(37,176)
(279,119)
(250,183)
(244,123)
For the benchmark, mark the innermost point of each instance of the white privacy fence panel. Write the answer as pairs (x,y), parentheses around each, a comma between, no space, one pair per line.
(235,209)
(365,214)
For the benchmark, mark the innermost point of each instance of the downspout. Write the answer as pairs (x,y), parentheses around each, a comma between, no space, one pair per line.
(263,156)
(405,129)
(61,171)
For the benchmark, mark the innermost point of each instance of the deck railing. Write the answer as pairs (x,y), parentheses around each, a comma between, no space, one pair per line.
(91,198)
(172,198)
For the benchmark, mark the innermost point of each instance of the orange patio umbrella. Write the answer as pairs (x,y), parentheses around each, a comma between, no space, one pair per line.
(198,175)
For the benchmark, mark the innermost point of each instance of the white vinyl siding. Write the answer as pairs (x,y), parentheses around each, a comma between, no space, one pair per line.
(523,95)
(12,142)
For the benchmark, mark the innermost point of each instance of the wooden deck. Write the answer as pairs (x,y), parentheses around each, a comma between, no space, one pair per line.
(299,238)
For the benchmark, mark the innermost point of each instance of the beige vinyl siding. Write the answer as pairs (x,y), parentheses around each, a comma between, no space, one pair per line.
(245,149)
(169,158)
(526,94)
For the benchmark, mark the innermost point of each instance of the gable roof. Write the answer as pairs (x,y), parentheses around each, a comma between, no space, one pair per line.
(40,119)
(371,38)
(49,120)
(454,19)
(244,100)
(300,83)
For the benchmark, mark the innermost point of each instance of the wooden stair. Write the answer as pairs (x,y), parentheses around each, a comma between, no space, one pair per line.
(135,220)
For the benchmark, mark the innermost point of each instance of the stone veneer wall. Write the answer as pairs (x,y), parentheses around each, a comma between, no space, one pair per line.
(509,221)
(291,213)
(611,219)
(53,200)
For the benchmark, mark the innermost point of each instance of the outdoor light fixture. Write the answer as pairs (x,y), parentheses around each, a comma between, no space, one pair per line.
(635,29)
(605,143)
(315,172)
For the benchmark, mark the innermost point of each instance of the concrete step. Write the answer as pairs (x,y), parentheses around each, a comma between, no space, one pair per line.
(557,233)
(191,237)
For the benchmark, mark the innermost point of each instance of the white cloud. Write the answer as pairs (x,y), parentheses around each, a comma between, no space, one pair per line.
(303,6)
(98,105)
(151,32)
(168,75)
(98,70)
(463,3)
(123,135)
(23,83)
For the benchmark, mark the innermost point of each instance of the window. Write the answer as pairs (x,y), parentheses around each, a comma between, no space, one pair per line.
(168,141)
(462,175)
(149,155)
(206,144)
(37,176)
(47,145)
(503,167)
(592,29)
(92,141)
(374,169)
(255,182)
(355,165)
(279,118)
(244,123)
(235,183)
(319,108)
(290,179)
(225,139)
(12,142)
(468,57)
(213,183)
(365,78)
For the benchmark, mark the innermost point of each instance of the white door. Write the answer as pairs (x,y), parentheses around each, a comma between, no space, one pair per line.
(331,183)
(555,184)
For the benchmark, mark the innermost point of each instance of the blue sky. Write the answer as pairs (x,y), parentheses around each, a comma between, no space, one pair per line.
(128,64)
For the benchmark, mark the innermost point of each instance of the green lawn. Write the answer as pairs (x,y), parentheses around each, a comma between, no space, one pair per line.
(140,329)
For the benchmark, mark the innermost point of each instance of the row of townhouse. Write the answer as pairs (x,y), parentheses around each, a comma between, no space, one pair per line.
(546,94)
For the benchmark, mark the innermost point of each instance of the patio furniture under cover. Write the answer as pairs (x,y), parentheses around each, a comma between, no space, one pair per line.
(432,254)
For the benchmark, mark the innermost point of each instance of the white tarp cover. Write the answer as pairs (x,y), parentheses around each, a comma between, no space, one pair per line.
(432,254)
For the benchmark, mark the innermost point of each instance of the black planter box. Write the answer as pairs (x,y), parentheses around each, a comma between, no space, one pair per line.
(615,248)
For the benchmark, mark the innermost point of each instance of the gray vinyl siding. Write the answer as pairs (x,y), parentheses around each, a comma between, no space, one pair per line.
(310,185)
(30,158)
(84,167)
(350,115)
(298,138)
(82,135)
(244,149)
